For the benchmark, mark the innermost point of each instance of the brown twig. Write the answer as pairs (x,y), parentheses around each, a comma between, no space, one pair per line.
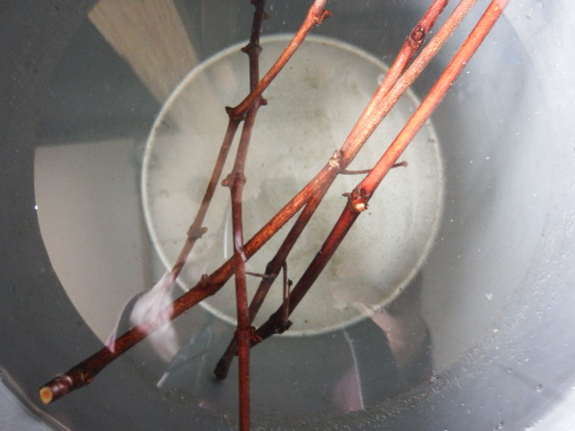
(316,15)
(236,181)
(367,171)
(360,196)
(244,328)
(196,230)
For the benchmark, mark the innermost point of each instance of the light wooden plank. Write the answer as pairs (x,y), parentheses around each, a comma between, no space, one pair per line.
(151,37)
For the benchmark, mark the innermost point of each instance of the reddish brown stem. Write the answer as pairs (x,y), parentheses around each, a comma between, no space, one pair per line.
(360,196)
(237,180)
(411,45)
(243,331)
(315,16)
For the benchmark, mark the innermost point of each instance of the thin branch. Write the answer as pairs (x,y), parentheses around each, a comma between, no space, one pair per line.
(236,182)
(359,198)
(367,171)
(287,283)
(196,230)
(316,15)
(244,328)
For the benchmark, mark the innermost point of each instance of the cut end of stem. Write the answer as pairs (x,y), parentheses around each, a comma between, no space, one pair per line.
(63,384)
(46,395)
(222,368)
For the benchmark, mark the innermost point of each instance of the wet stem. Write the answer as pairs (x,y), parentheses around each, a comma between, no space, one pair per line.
(235,181)
(401,75)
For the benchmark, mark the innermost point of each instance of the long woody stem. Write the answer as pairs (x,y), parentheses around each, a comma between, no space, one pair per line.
(359,198)
(236,181)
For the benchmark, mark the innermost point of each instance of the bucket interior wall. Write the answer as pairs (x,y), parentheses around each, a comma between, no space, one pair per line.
(487,314)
